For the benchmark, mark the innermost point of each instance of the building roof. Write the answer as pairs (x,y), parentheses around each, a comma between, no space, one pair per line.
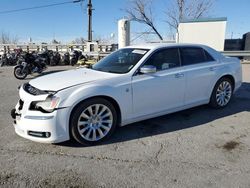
(221,19)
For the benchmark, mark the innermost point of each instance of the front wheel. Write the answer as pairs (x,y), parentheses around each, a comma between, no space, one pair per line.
(19,73)
(93,121)
(222,93)
(73,61)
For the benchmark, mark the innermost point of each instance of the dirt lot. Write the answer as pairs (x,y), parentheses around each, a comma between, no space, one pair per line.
(200,147)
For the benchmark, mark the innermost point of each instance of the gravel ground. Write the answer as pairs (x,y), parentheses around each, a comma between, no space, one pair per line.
(200,147)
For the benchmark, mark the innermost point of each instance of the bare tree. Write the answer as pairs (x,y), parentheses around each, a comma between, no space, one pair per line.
(80,40)
(5,38)
(14,39)
(186,9)
(141,11)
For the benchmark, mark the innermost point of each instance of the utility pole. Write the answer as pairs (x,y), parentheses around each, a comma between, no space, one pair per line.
(90,9)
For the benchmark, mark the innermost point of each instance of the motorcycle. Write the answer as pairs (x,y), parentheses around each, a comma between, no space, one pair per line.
(55,58)
(8,59)
(66,59)
(29,64)
(74,57)
(45,55)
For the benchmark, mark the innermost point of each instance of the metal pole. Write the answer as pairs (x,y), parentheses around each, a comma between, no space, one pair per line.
(90,20)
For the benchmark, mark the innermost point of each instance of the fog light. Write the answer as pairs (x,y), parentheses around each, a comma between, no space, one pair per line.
(39,134)
(47,135)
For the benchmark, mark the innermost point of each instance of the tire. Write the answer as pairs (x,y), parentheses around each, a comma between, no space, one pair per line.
(222,93)
(87,129)
(19,74)
(73,61)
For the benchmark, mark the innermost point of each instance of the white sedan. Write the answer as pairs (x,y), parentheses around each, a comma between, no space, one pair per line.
(132,84)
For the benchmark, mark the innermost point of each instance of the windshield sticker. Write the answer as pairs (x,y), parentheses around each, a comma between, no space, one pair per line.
(142,52)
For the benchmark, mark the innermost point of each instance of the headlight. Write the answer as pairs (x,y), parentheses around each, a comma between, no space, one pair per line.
(49,105)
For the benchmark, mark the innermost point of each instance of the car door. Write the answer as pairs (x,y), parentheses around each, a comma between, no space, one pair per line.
(162,90)
(199,68)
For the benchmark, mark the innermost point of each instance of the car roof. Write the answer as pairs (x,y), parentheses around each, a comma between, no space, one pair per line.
(154,46)
(162,45)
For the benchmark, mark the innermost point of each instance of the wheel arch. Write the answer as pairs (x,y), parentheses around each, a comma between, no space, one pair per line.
(230,77)
(108,98)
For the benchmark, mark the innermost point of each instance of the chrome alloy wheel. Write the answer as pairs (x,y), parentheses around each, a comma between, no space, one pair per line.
(95,122)
(224,93)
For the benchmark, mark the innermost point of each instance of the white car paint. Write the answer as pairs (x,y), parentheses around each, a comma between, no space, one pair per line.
(139,96)
(72,77)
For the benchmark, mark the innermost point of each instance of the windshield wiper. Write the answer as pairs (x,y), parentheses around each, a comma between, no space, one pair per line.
(110,71)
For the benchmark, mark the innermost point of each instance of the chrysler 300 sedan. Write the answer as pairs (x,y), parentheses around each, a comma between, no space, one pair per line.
(132,84)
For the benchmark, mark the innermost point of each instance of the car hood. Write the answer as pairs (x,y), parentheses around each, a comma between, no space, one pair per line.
(66,79)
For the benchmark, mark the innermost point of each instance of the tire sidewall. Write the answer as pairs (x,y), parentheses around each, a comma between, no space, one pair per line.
(213,101)
(19,77)
(74,133)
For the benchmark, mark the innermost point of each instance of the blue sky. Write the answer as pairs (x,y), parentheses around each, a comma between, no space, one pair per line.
(69,21)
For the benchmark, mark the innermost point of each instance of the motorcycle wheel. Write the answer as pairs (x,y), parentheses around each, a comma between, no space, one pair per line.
(19,74)
(73,62)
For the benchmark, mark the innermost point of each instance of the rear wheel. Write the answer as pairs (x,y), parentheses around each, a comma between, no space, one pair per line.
(19,73)
(93,121)
(222,93)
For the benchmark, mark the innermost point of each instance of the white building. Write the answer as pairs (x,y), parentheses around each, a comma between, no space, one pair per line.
(209,32)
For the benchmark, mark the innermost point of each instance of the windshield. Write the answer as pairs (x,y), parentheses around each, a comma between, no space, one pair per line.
(121,61)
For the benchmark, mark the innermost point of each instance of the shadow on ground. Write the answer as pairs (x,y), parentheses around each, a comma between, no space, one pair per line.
(178,121)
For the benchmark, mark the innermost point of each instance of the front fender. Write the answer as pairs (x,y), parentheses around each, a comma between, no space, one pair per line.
(121,94)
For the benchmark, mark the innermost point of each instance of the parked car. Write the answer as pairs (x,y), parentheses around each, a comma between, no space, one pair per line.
(132,84)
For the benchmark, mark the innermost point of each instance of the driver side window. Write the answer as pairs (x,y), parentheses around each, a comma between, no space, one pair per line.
(165,59)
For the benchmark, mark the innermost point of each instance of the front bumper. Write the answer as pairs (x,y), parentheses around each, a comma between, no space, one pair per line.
(38,126)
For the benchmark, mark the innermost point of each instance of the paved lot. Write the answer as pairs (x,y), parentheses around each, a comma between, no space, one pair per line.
(200,147)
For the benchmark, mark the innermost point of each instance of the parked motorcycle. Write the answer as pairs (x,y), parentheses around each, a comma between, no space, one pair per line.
(8,59)
(45,55)
(55,58)
(29,64)
(74,57)
(66,59)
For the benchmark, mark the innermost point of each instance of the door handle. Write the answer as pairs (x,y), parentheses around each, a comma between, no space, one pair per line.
(212,68)
(179,75)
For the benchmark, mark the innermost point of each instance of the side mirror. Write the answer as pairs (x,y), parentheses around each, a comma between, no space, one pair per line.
(147,69)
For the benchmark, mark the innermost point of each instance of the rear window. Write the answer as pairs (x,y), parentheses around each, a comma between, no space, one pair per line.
(194,55)
(208,56)
(191,56)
